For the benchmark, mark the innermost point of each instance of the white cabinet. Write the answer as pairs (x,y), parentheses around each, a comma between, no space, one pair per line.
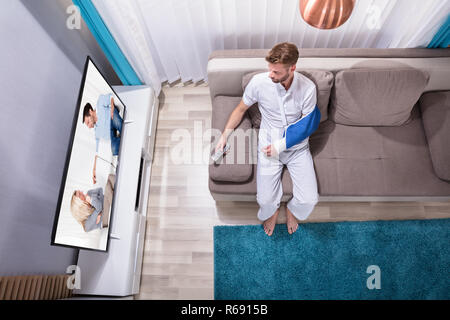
(118,271)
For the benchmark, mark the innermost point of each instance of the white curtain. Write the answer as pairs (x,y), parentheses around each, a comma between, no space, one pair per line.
(168,40)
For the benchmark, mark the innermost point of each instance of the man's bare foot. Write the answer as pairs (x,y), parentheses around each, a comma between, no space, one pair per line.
(291,221)
(269,224)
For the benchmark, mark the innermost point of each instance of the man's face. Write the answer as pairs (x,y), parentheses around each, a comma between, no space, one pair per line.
(279,72)
(89,121)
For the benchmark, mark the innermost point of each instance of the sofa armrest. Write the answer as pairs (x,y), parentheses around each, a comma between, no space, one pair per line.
(435,107)
(237,164)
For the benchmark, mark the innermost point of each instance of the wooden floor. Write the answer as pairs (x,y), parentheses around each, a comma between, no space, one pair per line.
(178,254)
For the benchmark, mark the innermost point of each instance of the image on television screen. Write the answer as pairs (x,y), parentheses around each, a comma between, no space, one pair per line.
(85,204)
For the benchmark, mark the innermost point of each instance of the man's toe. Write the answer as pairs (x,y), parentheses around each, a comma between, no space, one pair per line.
(292,227)
(266,229)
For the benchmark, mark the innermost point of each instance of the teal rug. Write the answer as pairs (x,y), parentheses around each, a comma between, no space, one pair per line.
(396,259)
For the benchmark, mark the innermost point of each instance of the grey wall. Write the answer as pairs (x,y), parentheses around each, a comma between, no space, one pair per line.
(41,65)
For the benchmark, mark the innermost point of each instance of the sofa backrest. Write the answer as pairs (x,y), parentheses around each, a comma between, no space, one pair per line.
(376,96)
(227,67)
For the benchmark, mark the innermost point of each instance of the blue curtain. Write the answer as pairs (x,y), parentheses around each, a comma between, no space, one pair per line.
(106,41)
(442,37)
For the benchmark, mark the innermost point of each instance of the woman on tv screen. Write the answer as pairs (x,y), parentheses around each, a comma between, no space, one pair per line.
(91,209)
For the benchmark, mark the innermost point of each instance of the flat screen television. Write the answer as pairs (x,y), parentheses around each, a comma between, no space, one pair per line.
(86,197)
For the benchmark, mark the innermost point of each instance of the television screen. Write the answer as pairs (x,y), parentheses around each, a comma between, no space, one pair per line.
(85,204)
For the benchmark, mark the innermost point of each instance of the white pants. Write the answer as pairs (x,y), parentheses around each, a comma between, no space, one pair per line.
(269,187)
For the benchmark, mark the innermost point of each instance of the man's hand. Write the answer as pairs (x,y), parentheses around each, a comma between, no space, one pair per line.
(112,108)
(221,144)
(98,219)
(94,176)
(269,150)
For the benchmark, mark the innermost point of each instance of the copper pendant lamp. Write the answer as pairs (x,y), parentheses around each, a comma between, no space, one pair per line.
(326,14)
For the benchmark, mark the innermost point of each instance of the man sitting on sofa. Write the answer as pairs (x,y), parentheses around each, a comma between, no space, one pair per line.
(289,115)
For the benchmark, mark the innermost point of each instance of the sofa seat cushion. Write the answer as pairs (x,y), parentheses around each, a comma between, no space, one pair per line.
(435,107)
(249,187)
(321,78)
(375,161)
(236,165)
(376,96)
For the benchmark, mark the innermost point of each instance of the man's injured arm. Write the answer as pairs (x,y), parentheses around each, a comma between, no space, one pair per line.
(298,131)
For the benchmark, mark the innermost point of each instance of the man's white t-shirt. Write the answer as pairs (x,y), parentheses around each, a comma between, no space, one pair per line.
(280,108)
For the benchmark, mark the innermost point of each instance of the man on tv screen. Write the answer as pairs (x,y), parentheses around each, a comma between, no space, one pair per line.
(107,123)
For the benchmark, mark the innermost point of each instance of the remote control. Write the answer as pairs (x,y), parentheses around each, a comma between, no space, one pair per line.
(216,156)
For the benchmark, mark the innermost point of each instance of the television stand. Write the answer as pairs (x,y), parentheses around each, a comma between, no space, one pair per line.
(117,272)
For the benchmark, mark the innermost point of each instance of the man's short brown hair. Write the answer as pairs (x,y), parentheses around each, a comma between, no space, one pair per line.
(284,53)
(86,110)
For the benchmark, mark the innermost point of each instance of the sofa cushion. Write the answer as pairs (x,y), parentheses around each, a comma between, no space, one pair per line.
(236,165)
(249,187)
(376,97)
(321,78)
(435,107)
(375,161)
(255,116)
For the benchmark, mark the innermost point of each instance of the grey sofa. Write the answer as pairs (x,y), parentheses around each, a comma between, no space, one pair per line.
(384,131)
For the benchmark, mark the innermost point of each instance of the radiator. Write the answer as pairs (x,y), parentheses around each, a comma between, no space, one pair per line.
(50,287)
